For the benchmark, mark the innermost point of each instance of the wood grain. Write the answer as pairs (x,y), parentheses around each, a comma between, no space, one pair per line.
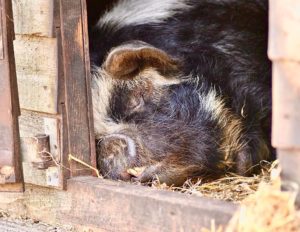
(93,204)
(31,124)
(63,126)
(286,107)
(1,37)
(284,32)
(33,17)
(77,90)
(88,81)
(36,63)
(284,51)
(10,157)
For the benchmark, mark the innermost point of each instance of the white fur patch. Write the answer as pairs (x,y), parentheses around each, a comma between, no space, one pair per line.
(135,12)
(212,104)
(102,87)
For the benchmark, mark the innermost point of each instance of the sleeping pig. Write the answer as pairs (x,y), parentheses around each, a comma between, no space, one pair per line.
(181,88)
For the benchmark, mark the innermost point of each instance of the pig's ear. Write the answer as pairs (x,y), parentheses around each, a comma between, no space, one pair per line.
(127,60)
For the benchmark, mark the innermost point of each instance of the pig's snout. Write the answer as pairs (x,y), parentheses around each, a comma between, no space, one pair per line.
(116,153)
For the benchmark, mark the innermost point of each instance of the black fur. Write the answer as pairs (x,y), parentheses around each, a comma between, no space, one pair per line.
(224,44)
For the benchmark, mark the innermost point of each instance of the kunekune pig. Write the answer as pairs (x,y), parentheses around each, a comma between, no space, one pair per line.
(181,87)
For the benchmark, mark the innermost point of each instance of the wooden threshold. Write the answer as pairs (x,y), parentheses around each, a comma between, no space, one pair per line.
(92,204)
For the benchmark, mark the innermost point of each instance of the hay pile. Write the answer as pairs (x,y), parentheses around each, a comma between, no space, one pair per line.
(264,206)
(270,209)
(230,188)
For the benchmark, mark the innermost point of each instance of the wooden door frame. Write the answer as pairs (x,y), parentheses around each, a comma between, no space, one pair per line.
(10,164)
(74,97)
(75,93)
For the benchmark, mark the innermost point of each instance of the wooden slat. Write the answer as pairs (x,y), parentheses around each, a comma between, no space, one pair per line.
(1,38)
(77,90)
(286,105)
(92,204)
(33,17)
(36,63)
(88,80)
(10,163)
(284,51)
(32,124)
(64,144)
(284,33)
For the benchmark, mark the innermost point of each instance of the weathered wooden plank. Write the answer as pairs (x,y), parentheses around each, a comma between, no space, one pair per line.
(36,62)
(286,107)
(32,124)
(10,162)
(88,80)
(77,95)
(284,50)
(92,204)
(290,163)
(8,224)
(64,145)
(284,32)
(286,118)
(1,38)
(33,17)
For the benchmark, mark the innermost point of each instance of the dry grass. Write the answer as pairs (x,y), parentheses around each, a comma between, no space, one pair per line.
(230,188)
(270,209)
(264,206)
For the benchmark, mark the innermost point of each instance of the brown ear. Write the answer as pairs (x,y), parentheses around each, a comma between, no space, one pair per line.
(127,60)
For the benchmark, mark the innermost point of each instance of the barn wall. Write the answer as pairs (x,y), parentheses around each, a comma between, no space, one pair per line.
(36,55)
(284,51)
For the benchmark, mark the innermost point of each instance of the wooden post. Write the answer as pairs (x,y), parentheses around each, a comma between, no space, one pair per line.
(11,178)
(77,100)
(284,51)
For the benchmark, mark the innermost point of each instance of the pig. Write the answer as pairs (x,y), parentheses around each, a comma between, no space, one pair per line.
(181,88)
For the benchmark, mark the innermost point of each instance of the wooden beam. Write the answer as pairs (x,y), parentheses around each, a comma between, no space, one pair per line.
(93,204)
(77,102)
(284,51)
(10,159)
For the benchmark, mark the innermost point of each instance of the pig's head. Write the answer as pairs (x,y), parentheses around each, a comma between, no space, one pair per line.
(146,114)
(127,91)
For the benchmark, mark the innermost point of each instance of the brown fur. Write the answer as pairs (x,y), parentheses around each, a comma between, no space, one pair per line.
(126,62)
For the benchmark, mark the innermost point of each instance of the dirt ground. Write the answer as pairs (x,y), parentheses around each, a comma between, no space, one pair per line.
(13,224)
